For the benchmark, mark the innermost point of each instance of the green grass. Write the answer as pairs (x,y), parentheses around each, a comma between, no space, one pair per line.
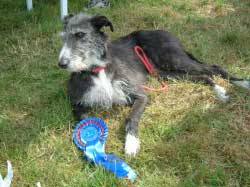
(188,138)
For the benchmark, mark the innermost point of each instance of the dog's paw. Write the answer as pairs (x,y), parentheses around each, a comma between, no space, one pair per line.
(244,84)
(221,93)
(132,145)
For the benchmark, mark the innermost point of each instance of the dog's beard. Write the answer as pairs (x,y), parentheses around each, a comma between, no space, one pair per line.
(80,63)
(77,64)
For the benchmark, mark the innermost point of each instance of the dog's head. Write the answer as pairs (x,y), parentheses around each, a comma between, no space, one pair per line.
(84,42)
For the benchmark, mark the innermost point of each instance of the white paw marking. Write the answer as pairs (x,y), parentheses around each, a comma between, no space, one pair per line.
(244,84)
(132,145)
(221,93)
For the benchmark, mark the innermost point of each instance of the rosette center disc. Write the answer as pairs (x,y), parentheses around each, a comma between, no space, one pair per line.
(90,131)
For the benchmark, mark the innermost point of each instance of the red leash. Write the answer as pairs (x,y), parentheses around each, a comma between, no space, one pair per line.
(144,59)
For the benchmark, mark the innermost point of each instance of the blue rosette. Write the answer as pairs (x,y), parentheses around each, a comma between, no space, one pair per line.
(89,136)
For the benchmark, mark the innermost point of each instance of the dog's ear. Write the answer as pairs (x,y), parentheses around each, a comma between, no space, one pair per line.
(67,18)
(101,21)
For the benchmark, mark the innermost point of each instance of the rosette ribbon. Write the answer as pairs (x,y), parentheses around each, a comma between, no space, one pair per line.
(89,136)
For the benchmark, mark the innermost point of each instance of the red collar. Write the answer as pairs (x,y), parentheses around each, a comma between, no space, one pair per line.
(98,68)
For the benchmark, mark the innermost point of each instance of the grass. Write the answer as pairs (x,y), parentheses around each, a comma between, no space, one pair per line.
(188,138)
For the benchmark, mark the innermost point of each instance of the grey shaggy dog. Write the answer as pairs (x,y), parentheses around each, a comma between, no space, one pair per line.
(120,73)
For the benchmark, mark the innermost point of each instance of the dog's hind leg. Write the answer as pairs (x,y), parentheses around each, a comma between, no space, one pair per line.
(190,65)
(186,62)
(132,143)
(217,70)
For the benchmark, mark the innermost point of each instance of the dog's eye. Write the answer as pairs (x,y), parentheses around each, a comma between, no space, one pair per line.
(80,34)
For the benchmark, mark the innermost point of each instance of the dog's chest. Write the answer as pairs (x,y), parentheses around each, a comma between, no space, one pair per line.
(105,92)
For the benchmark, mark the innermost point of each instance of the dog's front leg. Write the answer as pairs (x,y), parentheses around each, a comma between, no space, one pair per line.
(132,143)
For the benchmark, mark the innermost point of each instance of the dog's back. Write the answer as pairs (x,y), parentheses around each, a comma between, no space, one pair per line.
(162,48)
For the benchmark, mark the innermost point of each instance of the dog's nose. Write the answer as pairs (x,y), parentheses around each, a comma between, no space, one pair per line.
(63,64)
